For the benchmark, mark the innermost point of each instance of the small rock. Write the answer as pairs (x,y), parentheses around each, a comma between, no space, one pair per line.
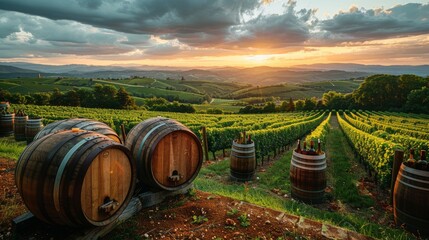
(146,235)
(267,222)
(230,222)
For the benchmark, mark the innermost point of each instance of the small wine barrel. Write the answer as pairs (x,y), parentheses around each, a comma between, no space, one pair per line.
(168,155)
(4,106)
(32,127)
(243,161)
(19,127)
(411,198)
(308,177)
(75,178)
(6,124)
(81,123)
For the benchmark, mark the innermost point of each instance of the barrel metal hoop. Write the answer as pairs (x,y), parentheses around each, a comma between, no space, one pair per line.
(313,157)
(145,138)
(307,168)
(307,191)
(412,186)
(241,151)
(309,163)
(84,124)
(425,222)
(241,156)
(252,144)
(61,169)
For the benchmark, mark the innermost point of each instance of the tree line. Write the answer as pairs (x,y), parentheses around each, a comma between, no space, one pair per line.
(382,92)
(100,96)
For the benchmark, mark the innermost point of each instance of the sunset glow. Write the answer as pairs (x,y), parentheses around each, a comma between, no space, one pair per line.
(214,33)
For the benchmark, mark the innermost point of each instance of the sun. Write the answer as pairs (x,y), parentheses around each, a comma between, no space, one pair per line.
(258,58)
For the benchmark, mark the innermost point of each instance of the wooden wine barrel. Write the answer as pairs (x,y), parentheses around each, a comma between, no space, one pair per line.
(308,177)
(411,198)
(81,123)
(32,127)
(243,161)
(6,124)
(75,178)
(19,127)
(4,106)
(168,155)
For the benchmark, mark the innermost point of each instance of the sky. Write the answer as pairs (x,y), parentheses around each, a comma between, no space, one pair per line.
(214,33)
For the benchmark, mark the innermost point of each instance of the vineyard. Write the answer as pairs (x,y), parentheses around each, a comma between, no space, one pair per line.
(376,135)
(360,146)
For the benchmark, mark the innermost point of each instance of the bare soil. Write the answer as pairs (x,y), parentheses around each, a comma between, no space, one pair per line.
(196,216)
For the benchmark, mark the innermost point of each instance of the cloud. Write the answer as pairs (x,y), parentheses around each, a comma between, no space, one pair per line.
(361,24)
(274,31)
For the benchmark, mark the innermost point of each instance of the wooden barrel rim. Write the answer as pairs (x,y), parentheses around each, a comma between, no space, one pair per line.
(312,157)
(247,145)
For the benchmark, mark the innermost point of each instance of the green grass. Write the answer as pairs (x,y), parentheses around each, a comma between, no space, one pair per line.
(344,177)
(226,105)
(9,148)
(214,178)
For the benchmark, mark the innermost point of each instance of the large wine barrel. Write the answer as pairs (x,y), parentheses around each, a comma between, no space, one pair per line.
(81,123)
(411,198)
(32,127)
(19,127)
(308,177)
(6,124)
(75,178)
(243,161)
(168,155)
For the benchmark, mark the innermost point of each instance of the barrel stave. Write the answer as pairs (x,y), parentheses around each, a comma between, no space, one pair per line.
(163,147)
(308,177)
(242,161)
(410,198)
(53,172)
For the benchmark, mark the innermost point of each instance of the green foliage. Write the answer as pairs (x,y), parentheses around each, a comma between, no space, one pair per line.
(386,91)
(377,152)
(244,220)
(418,101)
(320,132)
(200,219)
(232,212)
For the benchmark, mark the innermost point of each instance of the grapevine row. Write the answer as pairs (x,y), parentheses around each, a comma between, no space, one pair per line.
(376,152)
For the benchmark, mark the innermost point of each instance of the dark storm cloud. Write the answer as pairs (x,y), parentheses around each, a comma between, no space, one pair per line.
(275,31)
(142,17)
(361,24)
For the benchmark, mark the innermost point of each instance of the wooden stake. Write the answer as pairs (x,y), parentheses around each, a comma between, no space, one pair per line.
(124,135)
(397,161)
(205,144)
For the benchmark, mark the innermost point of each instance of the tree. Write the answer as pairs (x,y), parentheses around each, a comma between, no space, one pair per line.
(71,98)
(57,98)
(384,92)
(309,104)
(41,98)
(18,98)
(418,101)
(5,95)
(105,96)
(270,107)
(291,106)
(299,105)
(124,99)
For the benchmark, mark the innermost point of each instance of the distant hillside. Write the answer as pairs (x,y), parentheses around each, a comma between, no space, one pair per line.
(14,72)
(257,76)
(421,70)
